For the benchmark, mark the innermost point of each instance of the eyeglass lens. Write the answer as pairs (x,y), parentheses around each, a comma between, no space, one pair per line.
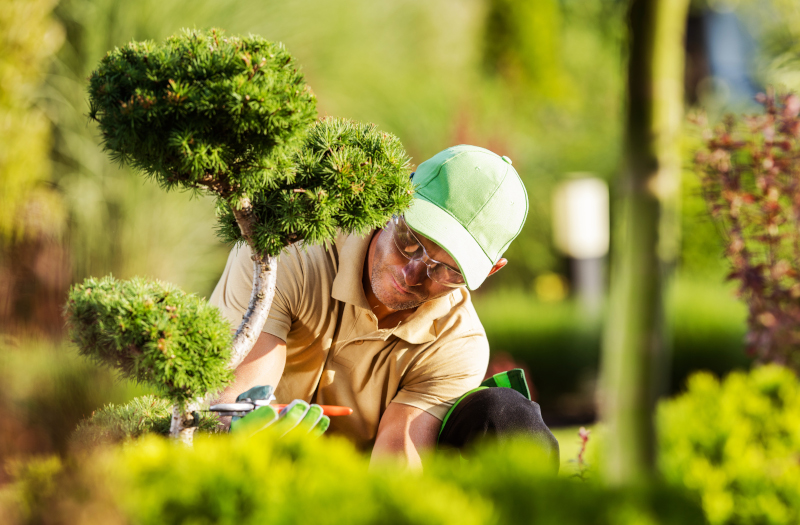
(411,248)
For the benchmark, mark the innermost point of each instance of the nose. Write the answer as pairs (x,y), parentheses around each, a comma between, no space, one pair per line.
(415,272)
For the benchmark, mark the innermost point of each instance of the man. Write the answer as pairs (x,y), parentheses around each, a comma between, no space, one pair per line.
(384,323)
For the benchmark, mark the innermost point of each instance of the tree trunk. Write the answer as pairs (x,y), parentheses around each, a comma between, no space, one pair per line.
(634,353)
(183,425)
(265,276)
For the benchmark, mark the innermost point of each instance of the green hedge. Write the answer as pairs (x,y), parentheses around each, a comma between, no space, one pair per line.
(226,480)
(737,442)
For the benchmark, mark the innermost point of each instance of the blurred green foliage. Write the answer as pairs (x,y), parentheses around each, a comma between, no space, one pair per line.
(262,480)
(28,38)
(737,442)
(776,26)
(35,481)
(47,389)
(702,249)
(521,44)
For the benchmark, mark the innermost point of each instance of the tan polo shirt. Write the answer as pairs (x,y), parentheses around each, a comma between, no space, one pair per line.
(335,352)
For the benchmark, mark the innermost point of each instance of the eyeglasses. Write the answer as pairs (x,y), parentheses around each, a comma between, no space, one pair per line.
(412,249)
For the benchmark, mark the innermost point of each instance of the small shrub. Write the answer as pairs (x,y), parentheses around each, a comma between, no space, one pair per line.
(153,333)
(202,110)
(348,177)
(142,415)
(737,442)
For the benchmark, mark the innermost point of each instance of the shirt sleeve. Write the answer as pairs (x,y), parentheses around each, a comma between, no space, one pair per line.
(232,293)
(445,373)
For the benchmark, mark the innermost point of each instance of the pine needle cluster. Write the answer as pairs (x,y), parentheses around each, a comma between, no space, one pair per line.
(233,116)
(203,110)
(348,176)
(142,415)
(152,332)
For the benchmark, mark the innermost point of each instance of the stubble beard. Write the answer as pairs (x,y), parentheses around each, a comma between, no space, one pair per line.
(383,289)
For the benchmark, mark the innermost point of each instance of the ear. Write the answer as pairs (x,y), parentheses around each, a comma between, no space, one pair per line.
(499,264)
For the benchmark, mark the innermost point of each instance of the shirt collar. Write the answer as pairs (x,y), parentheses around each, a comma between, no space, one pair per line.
(347,285)
(419,328)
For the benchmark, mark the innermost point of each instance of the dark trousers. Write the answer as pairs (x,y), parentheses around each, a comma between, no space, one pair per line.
(498,413)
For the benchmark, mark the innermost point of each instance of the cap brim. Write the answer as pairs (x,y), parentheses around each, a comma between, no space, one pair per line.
(440,227)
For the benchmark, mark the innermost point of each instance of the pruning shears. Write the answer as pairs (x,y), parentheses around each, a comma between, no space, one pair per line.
(245,406)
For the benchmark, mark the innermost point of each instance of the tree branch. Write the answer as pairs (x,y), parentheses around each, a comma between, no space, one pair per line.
(182,425)
(264,278)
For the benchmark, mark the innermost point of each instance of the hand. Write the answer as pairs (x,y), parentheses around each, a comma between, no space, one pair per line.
(298,417)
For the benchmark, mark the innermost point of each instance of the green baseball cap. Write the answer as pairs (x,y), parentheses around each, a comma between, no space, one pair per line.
(472,203)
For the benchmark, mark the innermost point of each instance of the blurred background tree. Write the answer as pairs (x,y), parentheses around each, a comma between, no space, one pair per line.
(635,346)
(31,216)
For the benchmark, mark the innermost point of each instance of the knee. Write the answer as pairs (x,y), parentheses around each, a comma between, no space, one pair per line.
(499,413)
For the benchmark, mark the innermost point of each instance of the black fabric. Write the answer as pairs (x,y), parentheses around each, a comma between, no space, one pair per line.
(497,413)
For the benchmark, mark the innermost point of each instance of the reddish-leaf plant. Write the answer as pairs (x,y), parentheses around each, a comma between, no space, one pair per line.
(751,182)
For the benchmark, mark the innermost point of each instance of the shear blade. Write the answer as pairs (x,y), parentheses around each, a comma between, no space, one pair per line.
(232,407)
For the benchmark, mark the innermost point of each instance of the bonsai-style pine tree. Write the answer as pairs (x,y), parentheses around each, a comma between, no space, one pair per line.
(231,117)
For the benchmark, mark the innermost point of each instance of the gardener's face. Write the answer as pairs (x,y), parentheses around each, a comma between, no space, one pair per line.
(400,283)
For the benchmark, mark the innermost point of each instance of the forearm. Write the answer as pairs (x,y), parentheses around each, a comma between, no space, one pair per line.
(396,449)
(404,434)
(263,366)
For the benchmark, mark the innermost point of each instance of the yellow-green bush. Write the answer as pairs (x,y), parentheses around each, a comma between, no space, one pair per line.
(738,443)
(225,479)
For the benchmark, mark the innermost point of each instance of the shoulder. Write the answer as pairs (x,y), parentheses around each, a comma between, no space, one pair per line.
(310,262)
(461,320)
(460,344)
(315,256)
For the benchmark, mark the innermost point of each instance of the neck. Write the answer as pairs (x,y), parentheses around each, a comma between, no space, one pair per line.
(387,318)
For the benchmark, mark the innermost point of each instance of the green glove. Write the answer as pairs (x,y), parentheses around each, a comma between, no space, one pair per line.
(298,417)
(256,393)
